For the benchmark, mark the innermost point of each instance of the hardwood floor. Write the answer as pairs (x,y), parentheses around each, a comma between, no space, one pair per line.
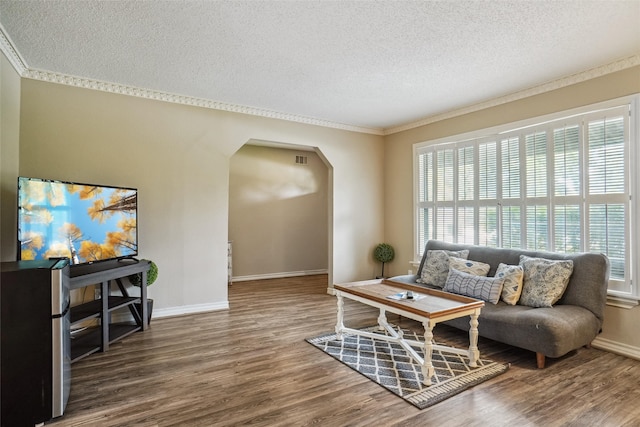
(250,365)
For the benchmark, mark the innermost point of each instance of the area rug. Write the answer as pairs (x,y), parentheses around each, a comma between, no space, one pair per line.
(390,366)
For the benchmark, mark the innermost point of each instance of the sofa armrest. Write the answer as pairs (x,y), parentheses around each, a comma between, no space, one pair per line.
(407,278)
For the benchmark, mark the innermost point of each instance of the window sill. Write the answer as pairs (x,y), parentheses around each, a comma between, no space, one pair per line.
(620,301)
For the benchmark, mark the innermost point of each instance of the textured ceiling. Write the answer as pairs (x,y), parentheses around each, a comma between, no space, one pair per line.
(371,64)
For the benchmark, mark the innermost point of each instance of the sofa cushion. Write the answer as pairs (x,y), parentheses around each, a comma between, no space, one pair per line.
(436,266)
(481,287)
(544,280)
(513,276)
(468,266)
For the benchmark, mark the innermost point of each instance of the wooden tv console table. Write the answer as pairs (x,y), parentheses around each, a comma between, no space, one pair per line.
(95,339)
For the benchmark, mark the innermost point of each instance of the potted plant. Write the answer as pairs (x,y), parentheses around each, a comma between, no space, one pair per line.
(383,253)
(136,280)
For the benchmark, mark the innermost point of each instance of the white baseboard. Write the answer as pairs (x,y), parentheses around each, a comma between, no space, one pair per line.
(278,275)
(617,348)
(189,309)
(125,316)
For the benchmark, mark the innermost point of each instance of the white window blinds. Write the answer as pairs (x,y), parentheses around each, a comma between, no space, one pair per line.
(560,185)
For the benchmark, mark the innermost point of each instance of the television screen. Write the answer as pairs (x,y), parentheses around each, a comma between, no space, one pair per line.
(83,222)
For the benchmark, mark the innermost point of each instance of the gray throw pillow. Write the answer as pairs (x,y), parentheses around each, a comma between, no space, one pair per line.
(436,266)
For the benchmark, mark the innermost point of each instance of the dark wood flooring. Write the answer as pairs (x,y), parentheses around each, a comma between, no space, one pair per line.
(251,366)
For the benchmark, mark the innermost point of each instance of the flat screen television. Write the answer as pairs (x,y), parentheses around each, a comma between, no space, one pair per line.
(83,222)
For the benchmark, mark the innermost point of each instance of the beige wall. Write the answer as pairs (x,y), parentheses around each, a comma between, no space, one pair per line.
(9,145)
(178,158)
(620,324)
(278,212)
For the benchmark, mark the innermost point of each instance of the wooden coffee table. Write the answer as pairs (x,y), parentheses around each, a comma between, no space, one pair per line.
(429,307)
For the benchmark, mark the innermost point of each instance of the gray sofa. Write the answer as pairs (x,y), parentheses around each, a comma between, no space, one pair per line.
(549,331)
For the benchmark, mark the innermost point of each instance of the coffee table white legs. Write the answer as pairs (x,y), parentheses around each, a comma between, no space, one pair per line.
(427,364)
(474,353)
(398,337)
(340,322)
(382,320)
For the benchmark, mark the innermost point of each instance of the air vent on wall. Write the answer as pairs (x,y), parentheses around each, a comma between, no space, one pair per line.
(301,160)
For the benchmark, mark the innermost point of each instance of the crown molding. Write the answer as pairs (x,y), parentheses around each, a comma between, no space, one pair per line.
(6,46)
(86,83)
(612,67)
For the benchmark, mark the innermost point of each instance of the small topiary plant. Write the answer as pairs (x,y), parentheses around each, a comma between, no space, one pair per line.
(152,275)
(383,253)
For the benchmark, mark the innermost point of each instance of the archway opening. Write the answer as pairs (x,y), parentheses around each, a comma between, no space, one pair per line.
(280,211)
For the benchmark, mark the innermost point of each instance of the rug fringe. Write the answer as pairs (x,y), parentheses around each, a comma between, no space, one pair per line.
(456,385)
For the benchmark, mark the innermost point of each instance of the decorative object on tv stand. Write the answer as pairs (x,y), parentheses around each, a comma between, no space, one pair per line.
(152,275)
(383,253)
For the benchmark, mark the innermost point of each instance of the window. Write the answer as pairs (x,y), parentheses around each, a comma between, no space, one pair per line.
(561,183)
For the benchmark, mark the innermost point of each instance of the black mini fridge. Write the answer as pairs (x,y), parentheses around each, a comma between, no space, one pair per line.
(35,352)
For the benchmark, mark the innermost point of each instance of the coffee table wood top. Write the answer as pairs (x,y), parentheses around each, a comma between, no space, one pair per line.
(434,304)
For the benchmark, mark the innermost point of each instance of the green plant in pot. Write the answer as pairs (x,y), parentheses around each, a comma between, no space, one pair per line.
(136,280)
(383,253)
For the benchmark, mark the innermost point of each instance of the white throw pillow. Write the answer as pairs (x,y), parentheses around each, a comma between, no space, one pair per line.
(469,266)
(481,287)
(544,280)
(436,266)
(513,277)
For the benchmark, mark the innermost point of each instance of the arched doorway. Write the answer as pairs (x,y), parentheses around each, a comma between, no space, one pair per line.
(280,211)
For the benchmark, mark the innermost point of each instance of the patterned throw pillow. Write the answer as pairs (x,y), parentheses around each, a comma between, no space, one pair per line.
(513,276)
(436,266)
(481,287)
(544,280)
(468,266)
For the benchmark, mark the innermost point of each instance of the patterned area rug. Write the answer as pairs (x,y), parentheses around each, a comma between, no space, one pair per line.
(389,365)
